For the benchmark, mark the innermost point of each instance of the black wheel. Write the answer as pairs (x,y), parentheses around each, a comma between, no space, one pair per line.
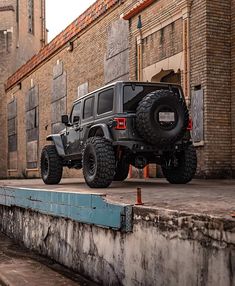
(122,170)
(98,162)
(181,168)
(162,118)
(51,165)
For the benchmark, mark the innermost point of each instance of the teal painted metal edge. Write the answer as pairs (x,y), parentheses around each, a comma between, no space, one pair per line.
(85,208)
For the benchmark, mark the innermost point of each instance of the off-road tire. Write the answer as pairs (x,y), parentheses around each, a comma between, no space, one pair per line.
(147,124)
(51,165)
(98,162)
(186,169)
(122,171)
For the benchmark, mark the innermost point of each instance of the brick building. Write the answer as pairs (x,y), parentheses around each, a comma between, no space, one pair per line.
(22,34)
(191,42)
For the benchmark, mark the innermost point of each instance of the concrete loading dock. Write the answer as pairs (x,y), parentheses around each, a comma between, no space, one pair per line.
(182,235)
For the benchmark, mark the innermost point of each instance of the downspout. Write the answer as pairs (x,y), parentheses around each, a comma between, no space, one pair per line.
(186,48)
(140,69)
(140,51)
(17,24)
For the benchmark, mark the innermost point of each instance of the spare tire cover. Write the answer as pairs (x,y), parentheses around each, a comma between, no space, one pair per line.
(162,118)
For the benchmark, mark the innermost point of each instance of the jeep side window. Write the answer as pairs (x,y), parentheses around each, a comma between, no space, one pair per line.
(76,112)
(105,101)
(88,108)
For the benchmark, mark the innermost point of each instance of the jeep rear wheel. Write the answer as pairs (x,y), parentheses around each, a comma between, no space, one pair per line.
(122,170)
(162,118)
(51,165)
(181,168)
(98,162)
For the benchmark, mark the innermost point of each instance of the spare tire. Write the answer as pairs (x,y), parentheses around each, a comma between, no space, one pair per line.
(162,118)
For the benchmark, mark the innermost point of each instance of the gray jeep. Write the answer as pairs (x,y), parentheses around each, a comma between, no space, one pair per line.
(123,124)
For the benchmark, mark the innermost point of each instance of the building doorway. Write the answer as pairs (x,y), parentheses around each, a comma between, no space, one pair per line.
(167,76)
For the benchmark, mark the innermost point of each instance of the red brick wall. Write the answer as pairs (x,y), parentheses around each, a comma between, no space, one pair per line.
(210,59)
(163,44)
(233,82)
(15,49)
(217,103)
(84,64)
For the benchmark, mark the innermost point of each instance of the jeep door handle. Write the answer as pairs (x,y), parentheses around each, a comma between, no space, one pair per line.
(78,128)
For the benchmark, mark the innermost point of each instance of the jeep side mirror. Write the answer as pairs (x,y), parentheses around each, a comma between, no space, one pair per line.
(65,119)
(76,119)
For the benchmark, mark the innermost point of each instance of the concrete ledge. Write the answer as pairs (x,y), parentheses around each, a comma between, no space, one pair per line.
(212,230)
(177,246)
(161,249)
(85,208)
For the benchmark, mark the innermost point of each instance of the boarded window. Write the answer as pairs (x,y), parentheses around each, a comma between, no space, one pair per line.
(198,115)
(58,97)
(32,127)
(105,101)
(12,134)
(82,89)
(31,16)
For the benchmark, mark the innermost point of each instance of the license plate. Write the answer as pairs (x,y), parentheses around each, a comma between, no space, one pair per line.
(166,116)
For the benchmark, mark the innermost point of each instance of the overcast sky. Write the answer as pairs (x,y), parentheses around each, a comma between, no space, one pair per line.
(59,14)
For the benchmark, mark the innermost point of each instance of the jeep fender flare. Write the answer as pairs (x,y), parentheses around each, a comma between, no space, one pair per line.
(103,127)
(57,140)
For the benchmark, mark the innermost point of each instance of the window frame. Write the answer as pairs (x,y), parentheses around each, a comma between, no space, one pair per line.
(70,117)
(107,112)
(92,97)
(158,87)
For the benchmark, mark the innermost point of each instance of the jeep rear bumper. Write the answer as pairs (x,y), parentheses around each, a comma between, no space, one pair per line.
(139,146)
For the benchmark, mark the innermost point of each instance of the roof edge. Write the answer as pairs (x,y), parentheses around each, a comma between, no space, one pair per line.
(137,9)
(94,12)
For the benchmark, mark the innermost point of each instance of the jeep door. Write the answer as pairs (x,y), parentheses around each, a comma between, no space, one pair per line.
(87,117)
(73,145)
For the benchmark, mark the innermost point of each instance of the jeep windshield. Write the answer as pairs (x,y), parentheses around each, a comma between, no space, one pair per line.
(134,93)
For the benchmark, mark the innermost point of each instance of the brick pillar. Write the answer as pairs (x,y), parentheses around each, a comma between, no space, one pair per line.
(233,83)
(3,134)
(217,96)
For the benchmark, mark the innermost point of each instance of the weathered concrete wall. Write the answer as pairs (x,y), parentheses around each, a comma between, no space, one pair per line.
(164,249)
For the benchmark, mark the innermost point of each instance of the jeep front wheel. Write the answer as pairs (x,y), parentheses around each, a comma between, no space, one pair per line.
(51,165)
(98,162)
(181,168)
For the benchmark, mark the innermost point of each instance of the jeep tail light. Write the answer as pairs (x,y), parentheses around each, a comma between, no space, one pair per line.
(190,124)
(120,123)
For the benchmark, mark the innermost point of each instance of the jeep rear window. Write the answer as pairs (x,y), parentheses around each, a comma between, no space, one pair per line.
(134,93)
(105,101)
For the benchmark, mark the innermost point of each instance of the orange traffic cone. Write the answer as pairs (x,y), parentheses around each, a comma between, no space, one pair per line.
(139,197)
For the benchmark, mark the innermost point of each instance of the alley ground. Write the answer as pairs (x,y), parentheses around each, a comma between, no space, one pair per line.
(20,267)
